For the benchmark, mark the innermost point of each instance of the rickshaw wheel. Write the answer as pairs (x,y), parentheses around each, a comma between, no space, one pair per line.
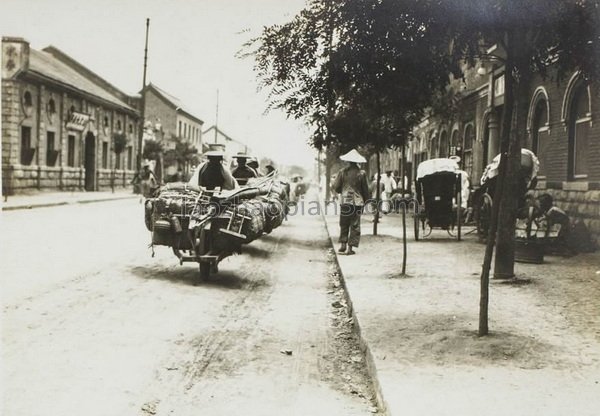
(485,215)
(429,233)
(416,226)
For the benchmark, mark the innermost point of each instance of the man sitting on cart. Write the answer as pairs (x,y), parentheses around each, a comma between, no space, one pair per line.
(243,172)
(213,174)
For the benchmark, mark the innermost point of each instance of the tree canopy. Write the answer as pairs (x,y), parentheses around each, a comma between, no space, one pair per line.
(361,72)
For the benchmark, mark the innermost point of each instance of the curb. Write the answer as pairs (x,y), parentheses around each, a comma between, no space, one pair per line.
(61,203)
(371,368)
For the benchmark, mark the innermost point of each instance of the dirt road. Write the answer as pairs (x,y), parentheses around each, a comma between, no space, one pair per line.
(93,325)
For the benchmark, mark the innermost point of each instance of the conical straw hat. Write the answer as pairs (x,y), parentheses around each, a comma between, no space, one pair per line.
(353,156)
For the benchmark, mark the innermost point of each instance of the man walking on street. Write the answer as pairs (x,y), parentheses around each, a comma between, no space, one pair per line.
(389,184)
(351,184)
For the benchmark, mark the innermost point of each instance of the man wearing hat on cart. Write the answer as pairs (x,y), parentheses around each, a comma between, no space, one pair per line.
(351,184)
(243,172)
(212,174)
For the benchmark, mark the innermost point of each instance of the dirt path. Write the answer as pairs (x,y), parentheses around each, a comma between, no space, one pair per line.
(130,334)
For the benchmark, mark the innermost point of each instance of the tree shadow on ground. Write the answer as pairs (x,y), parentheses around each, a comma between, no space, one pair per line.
(191,277)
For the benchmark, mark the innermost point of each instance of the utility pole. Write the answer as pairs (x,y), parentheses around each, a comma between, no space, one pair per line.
(217,117)
(143,102)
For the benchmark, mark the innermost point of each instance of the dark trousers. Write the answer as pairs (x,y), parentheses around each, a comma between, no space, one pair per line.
(350,224)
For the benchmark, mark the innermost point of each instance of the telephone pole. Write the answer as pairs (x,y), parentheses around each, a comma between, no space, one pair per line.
(143,103)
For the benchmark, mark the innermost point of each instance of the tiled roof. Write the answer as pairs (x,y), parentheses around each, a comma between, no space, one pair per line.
(47,65)
(176,102)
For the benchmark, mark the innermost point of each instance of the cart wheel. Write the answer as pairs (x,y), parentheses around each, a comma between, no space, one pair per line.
(204,270)
(417,226)
(148,208)
(459,222)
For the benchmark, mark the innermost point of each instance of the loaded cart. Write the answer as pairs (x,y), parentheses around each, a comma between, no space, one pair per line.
(206,226)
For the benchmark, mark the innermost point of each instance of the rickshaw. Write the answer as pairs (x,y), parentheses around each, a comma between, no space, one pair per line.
(484,196)
(438,196)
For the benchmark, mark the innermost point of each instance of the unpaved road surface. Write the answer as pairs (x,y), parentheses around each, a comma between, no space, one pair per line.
(93,325)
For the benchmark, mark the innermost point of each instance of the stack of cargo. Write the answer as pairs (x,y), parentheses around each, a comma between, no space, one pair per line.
(233,222)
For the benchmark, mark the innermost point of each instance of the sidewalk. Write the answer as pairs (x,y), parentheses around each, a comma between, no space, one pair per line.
(50,199)
(542,356)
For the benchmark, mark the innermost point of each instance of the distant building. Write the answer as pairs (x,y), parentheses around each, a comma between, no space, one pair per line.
(215,138)
(63,126)
(170,118)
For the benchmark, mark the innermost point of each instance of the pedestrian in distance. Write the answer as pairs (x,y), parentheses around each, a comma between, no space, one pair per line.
(146,180)
(351,184)
(389,184)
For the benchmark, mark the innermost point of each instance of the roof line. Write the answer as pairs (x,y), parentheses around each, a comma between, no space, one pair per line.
(77,66)
(165,96)
(39,75)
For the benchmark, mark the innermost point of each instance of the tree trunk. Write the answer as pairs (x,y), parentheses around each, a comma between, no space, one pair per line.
(327,177)
(377,195)
(507,117)
(404,250)
(504,263)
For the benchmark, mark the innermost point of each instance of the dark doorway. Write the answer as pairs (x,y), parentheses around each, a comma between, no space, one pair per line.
(90,161)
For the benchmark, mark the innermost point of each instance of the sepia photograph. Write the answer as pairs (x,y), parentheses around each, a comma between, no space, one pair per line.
(300,207)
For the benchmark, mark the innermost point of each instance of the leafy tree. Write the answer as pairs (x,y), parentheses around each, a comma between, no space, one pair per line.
(119,142)
(184,154)
(361,72)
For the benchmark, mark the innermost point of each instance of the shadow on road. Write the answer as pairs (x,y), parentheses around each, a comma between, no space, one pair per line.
(286,241)
(256,252)
(191,276)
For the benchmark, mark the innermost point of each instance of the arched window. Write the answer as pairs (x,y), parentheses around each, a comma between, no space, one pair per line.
(105,121)
(434,146)
(539,139)
(51,106)
(454,143)
(578,132)
(444,144)
(468,139)
(118,125)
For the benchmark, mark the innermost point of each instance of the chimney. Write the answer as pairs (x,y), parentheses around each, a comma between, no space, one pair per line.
(15,56)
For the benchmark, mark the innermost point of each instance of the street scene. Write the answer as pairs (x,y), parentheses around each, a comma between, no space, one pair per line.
(300,207)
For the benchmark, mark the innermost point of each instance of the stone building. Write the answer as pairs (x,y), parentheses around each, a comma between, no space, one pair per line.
(63,126)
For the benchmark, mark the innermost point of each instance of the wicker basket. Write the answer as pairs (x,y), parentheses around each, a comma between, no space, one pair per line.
(529,251)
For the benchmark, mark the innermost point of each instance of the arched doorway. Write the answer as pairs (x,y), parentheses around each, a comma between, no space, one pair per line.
(90,162)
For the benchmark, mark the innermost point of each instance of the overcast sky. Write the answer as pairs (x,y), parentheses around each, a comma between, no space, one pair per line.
(192,44)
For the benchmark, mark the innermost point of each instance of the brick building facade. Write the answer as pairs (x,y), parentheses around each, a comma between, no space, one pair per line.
(62,124)
(172,117)
(562,129)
